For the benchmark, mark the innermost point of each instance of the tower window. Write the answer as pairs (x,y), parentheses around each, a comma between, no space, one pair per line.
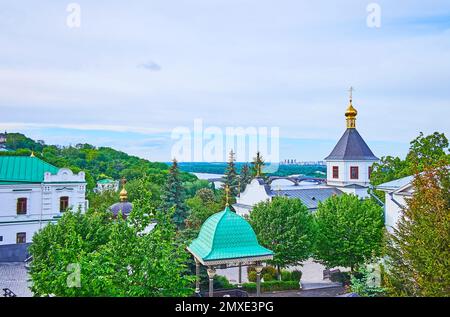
(354,172)
(335,171)
(21,206)
(21,237)
(63,203)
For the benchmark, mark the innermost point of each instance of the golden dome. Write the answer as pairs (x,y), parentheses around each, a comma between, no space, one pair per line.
(123,194)
(351,112)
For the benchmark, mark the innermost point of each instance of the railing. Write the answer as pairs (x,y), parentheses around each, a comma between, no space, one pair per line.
(8,293)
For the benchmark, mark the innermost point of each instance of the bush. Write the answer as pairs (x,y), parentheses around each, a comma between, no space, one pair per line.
(268,277)
(341,277)
(252,276)
(271,286)
(286,276)
(269,270)
(221,282)
(296,275)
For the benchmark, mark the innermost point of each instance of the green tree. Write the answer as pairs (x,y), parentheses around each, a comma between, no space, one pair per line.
(245,177)
(113,257)
(362,283)
(173,196)
(202,206)
(349,231)
(258,165)
(286,227)
(424,152)
(230,178)
(428,151)
(418,253)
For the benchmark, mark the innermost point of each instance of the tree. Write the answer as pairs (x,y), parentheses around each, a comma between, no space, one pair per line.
(257,165)
(363,284)
(286,227)
(349,231)
(424,151)
(173,196)
(245,177)
(230,178)
(418,253)
(108,257)
(201,206)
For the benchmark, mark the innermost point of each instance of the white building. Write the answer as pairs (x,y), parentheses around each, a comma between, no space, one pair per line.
(32,194)
(395,193)
(348,171)
(107,184)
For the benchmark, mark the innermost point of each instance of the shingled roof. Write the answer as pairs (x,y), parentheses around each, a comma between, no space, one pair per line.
(352,146)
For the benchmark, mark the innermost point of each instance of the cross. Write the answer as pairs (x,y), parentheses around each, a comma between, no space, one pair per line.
(123,181)
(351,92)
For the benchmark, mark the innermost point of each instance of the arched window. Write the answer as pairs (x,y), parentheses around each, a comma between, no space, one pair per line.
(63,203)
(21,206)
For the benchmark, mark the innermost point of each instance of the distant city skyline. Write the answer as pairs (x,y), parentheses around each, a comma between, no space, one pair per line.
(131,73)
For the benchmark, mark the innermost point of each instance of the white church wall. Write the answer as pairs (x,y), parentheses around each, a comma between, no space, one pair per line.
(253,194)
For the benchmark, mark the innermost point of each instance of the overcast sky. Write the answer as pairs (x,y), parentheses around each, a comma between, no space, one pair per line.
(135,70)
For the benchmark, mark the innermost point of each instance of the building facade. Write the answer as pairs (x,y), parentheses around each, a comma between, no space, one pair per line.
(396,192)
(348,171)
(34,193)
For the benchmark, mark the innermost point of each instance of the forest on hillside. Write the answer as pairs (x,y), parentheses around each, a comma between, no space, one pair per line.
(97,162)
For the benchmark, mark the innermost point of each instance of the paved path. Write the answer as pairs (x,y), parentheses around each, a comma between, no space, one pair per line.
(321,292)
(15,277)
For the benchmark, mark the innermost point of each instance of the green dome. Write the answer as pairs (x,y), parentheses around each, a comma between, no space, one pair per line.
(226,235)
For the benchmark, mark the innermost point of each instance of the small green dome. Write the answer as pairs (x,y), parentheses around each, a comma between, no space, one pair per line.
(226,235)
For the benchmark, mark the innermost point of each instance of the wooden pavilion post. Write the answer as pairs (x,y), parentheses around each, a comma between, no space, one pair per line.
(197,276)
(259,268)
(211,274)
(240,276)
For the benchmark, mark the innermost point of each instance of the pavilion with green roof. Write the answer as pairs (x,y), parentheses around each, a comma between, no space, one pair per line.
(227,240)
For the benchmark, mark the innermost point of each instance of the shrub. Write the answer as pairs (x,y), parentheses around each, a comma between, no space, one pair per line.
(221,282)
(341,277)
(296,275)
(269,270)
(286,276)
(268,277)
(252,276)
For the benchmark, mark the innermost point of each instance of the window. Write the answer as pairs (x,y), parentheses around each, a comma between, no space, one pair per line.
(63,203)
(21,206)
(21,237)
(370,171)
(354,172)
(1,238)
(335,171)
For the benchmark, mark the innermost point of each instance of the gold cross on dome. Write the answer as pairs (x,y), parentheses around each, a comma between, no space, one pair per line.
(351,92)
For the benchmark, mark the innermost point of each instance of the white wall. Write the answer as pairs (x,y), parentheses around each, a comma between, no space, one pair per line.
(43,202)
(344,173)
(253,194)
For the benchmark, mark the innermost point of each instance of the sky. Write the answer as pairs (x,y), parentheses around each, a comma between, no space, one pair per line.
(135,71)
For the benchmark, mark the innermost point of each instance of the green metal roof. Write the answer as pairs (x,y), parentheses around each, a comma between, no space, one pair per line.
(226,235)
(24,169)
(106,181)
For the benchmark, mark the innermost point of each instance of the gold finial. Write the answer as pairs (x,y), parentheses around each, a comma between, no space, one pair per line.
(32,154)
(123,193)
(227,195)
(351,112)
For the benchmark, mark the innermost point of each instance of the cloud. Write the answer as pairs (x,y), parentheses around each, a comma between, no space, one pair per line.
(151,66)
